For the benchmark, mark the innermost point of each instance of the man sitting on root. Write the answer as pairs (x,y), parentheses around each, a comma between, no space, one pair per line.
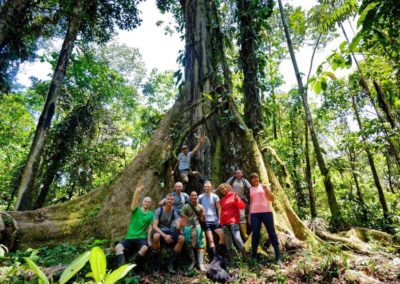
(167,230)
(139,231)
(211,204)
(192,215)
(180,198)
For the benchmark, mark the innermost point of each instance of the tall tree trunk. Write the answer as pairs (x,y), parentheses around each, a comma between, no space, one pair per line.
(32,163)
(249,64)
(389,171)
(352,159)
(308,175)
(337,221)
(104,213)
(371,162)
(12,14)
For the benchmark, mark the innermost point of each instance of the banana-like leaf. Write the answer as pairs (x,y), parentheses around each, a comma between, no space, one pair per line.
(98,263)
(118,273)
(42,277)
(74,267)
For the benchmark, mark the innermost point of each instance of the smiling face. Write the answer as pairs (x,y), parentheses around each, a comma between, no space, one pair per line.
(170,200)
(207,187)
(193,197)
(178,187)
(146,202)
(224,188)
(238,174)
(255,180)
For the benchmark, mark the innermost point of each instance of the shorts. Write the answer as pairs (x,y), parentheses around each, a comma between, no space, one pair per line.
(173,235)
(134,244)
(187,233)
(211,226)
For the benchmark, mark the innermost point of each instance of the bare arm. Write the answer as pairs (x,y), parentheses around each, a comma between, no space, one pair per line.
(218,203)
(201,141)
(149,235)
(135,199)
(268,193)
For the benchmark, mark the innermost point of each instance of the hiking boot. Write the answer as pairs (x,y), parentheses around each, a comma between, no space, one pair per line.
(243,232)
(278,257)
(172,262)
(120,259)
(156,261)
(212,252)
(200,260)
(192,259)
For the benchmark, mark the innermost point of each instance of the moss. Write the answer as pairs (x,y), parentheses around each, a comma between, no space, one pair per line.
(216,162)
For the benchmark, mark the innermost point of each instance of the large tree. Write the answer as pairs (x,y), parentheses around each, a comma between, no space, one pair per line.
(104,212)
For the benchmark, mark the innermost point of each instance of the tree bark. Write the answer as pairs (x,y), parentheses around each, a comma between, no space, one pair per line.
(104,213)
(32,164)
(337,220)
(371,162)
(249,64)
(12,14)
(313,207)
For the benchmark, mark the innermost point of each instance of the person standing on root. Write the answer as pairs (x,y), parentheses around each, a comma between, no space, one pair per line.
(180,198)
(241,187)
(167,229)
(139,231)
(184,162)
(193,214)
(260,212)
(231,204)
(211,204)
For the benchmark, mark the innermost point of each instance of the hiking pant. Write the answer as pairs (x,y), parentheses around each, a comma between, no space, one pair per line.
(268,220)
(232,231)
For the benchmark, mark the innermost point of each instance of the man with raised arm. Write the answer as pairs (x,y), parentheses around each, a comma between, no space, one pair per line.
(167,230)
(139,231)
(184,162)
(192,215)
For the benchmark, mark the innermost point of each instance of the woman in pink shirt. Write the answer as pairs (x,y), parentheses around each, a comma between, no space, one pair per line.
(260,212)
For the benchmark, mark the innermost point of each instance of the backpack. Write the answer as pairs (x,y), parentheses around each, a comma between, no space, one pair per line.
(246,189)
(172,216)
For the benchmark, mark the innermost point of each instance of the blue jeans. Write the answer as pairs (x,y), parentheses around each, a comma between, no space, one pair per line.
(268,220)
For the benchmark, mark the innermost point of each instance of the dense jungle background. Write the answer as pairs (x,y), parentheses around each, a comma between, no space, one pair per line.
(74,147)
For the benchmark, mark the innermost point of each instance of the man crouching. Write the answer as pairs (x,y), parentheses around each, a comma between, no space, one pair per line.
(167,227)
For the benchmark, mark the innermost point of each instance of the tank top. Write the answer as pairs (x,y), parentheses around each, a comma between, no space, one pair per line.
(259,203)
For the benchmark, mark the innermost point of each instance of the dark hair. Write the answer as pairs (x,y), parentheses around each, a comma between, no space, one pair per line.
(253,175)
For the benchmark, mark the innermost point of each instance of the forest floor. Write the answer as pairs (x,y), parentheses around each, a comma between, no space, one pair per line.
(318,263)
(302,267)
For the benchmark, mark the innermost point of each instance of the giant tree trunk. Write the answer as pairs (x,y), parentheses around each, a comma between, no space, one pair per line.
(32,164)
(104,213)
(337,221)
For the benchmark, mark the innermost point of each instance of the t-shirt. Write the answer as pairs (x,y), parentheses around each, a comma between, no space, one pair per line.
(209,204)
(239,186)
(192,216)
(166,222)
(230,208)
(184,161)
(258,200)
(139,224)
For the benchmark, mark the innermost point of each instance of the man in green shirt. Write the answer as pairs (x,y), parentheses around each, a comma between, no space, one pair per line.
(139,231)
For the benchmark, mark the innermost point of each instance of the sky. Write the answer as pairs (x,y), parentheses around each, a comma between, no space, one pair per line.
(160,50)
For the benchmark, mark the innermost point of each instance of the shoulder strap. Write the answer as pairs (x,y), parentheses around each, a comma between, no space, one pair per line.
(232,180)
(197,214)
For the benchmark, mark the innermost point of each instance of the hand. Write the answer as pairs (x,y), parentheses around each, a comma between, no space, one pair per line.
(168,239)
(139,188)
(184,220)
(202,139)
(172,173)
(266,186)
(236,197)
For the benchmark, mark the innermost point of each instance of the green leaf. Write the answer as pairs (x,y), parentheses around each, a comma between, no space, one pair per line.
(37,270)
(98,263)
(330,75)
(118,273)
(342,46)
(356,40)
(317,87)
(364,13)
(74,267)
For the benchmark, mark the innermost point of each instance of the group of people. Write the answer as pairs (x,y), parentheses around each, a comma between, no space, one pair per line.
(181,219)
